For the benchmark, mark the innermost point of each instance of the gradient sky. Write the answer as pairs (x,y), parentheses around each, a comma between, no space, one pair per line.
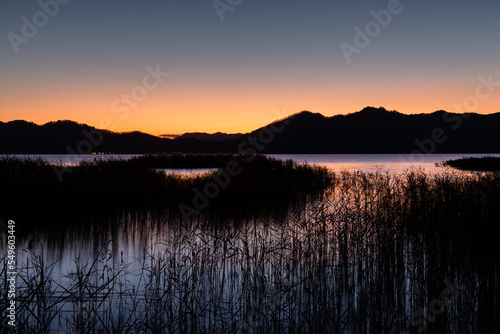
(265,60)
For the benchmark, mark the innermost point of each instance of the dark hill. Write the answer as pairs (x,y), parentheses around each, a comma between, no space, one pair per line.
(377,130)
(62,137)
(371,130)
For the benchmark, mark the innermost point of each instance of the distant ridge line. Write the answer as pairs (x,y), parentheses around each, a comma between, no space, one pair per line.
(370,130)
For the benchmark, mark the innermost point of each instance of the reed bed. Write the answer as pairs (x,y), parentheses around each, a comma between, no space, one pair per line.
(33,193)
(375,254)
(486,163)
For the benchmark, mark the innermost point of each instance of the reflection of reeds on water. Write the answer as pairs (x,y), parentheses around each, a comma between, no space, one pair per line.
(375,255)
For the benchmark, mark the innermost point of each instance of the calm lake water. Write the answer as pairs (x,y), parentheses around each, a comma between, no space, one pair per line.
(348,253)
(392,163)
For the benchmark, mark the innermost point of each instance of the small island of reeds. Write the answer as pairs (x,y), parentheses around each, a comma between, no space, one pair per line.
(33,189)
(489,164)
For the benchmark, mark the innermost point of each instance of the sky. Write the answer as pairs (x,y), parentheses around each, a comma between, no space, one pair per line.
(176,66)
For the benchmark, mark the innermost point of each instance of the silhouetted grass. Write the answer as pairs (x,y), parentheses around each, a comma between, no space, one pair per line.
(368,258)
(475,164)
(32,191)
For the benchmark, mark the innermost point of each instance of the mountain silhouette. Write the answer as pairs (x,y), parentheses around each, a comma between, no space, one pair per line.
(377,130)
(371,130)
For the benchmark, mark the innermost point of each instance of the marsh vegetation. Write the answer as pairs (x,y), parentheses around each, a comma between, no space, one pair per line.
(486,163)
(370,253)
(45,195)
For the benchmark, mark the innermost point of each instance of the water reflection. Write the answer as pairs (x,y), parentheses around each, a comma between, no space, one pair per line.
(188,172)
(371,163)
(378,254)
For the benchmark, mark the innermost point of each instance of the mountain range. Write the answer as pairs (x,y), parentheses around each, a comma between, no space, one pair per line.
(371,130)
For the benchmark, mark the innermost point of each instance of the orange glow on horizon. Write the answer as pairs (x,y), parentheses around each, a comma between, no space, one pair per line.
(177,110)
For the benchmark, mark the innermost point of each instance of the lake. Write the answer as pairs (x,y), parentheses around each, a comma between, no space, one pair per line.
(375,253)
(392,163)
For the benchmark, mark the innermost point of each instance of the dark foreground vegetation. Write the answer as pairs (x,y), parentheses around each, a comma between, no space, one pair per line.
(475,164)
(376,254)
(44,195)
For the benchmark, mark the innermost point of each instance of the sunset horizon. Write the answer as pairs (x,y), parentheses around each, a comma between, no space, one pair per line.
(173,68)
(107,124)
